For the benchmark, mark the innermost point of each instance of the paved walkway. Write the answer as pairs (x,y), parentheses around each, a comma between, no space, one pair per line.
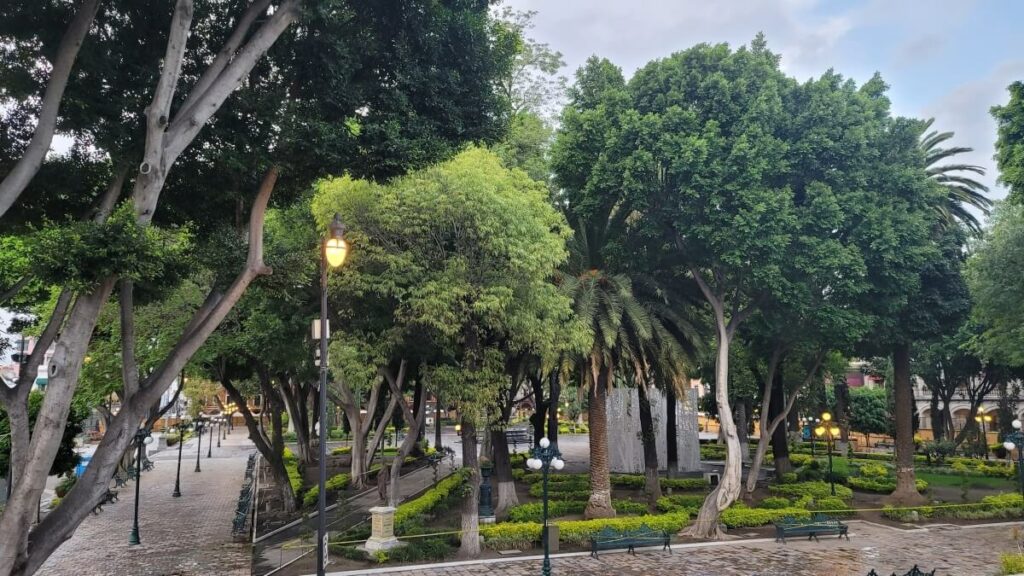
(950,550)
(187,536)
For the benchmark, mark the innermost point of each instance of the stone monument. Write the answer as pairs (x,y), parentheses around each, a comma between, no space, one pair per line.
(382,530)
(625,448)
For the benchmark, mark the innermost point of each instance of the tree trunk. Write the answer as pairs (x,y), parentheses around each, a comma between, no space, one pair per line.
(555,398)
(842,393)
(652,483)
(671,432)
(469,546)
(728,489)
(906,489)
(743,427)
(437,422)
(540,408)
(502,477)
(600,503)
(780,442)
(938,425)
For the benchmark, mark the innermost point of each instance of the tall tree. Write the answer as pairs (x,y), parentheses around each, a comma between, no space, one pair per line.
(1010,144)
(998,294)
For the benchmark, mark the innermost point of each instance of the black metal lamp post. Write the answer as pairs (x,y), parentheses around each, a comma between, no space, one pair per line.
(142,438)
(200,428)
(332,255)
(1015,439)
(220,424)
(829,431)
(182,427)
(546,457)
(983,419)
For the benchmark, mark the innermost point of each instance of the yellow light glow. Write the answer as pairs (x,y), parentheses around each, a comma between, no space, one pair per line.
(336,250)
(819,431)
(458,428)
(835,431)
(977,418)
(826,416)
(980,410)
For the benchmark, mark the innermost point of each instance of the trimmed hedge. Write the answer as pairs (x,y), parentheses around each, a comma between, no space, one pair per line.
(524,535)
(334,484)
(880,485)
(743,517)
(1007,505)
(291,465)
(676,502)
(534,511)
(815,490)
(341,451)
(430,499)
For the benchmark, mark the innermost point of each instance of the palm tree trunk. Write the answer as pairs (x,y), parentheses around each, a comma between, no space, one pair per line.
(903,393)
(600,503)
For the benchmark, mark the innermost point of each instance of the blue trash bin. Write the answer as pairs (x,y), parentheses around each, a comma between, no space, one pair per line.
(83,463)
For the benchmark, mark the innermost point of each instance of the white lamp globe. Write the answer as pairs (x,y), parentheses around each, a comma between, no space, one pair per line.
(544,442)
(558,463)
(1016,424)
(148,440)
(1009,446)
(533,464)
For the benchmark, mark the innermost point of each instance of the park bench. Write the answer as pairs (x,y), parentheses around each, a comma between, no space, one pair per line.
(147,464)
(818,525)
(108,498)
(120,479)
(517,437)
(915,571)
(610,538)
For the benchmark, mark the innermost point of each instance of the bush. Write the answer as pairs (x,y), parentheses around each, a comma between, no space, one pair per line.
(816,490)
(1012,563)
(872,470)
(425,504)
(534,511)
(341,451)
(420,549)
(566,428)
(800,459)
(335,483)
(64,486)
(881,485)
(830,504)
(291,465)
(787,478)
(774,503)
(676,502)
(743,517)
(525,535)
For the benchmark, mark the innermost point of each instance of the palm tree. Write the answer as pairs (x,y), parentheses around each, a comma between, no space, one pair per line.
(962,190)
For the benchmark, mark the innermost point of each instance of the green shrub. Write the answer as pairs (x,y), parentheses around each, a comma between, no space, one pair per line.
(743,517)
(341,451)
(684,484)
(676,502)
(787,478)
(421,549)
(774,503)
(534,511)
(65,485)
(873,470)
(1012,563)
(524,535)
(800,459)
(881,485)
(335,483)
(425,504)
(291,465)
(833,505)
(816,490)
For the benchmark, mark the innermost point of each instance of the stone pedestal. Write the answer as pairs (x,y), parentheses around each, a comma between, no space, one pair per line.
(382,530)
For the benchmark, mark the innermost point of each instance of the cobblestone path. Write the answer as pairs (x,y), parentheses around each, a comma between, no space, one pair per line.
(187,536)
(952,551)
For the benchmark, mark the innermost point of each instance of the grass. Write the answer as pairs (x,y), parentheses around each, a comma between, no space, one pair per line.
(973,482)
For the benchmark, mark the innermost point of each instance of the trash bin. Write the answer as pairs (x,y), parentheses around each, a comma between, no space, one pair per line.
(83,463)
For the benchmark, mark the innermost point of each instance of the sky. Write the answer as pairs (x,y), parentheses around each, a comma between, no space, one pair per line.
(945,59)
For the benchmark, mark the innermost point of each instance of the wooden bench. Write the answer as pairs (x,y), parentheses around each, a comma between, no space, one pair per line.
(108,498)
(610,538)
(120,480)
(517,437)
(915,571)
(819,524)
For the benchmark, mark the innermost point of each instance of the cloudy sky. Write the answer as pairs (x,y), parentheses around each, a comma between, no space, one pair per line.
(947,59)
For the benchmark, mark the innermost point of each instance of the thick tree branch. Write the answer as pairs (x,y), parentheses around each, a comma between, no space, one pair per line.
(26,168)
(110,196)
(17,287)
(129,367)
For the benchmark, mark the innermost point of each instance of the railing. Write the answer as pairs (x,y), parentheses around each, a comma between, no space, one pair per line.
(245,498)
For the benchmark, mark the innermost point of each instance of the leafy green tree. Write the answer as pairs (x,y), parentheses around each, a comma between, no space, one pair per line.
(869,413)
(996,288)
(1010,145)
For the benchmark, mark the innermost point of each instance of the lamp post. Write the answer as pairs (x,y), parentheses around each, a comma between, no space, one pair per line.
(1015,439)
(182,427)
(209,449)
(982,419)
(828,431)
(332,255)
(200,428)
(545,457)
(220,425)
(142,438)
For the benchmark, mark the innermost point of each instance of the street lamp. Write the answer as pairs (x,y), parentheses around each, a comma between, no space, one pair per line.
(200,428)
(332,255)
(182,427)
(209,449)
(983,419)
(546,456)
(220,426)
(142,438)
(1015,439)
(829,432)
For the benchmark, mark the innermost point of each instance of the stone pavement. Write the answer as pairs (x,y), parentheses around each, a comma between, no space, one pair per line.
(951,550)
(187,536)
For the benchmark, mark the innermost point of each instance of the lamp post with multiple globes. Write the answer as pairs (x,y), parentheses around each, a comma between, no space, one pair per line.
(828,430)
(546,456)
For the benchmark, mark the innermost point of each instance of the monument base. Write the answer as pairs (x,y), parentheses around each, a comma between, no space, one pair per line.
(487,519)
(374,544)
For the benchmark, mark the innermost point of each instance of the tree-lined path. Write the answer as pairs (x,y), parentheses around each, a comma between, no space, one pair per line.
(187,536)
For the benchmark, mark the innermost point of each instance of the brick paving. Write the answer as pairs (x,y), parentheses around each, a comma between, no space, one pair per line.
(187,536)
(952,551)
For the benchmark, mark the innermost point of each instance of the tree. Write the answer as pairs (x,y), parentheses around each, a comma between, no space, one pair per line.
(1010,144)
(869,412)
(137,51)
(450,269)
(993,273)
(962,191)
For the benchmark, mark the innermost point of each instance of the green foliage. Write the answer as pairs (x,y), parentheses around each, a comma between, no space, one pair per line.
(815,490)
(335,483)
(421,549)
(291,465)
(65,485)
(66,458)
(743,517)
(1010,144)
(869,410)
(881,485)
(994,279)
(1011,563)
(833,505)
(506,535)
(690,502)
(424,505)
(534,511)
(788,478)
(774,503)
(1008,505)
(872,470)
(341,451)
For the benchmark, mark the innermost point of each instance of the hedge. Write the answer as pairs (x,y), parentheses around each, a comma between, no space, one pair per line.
(880,485)
(341,451)
(291,465)
(334,484)
(524,535)
(534,511)
(1007,505)
(743,517)
(815,490)
(677,502)
(430,499)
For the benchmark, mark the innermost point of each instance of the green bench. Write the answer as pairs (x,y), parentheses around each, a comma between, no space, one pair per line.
(609,538)
(818,525)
